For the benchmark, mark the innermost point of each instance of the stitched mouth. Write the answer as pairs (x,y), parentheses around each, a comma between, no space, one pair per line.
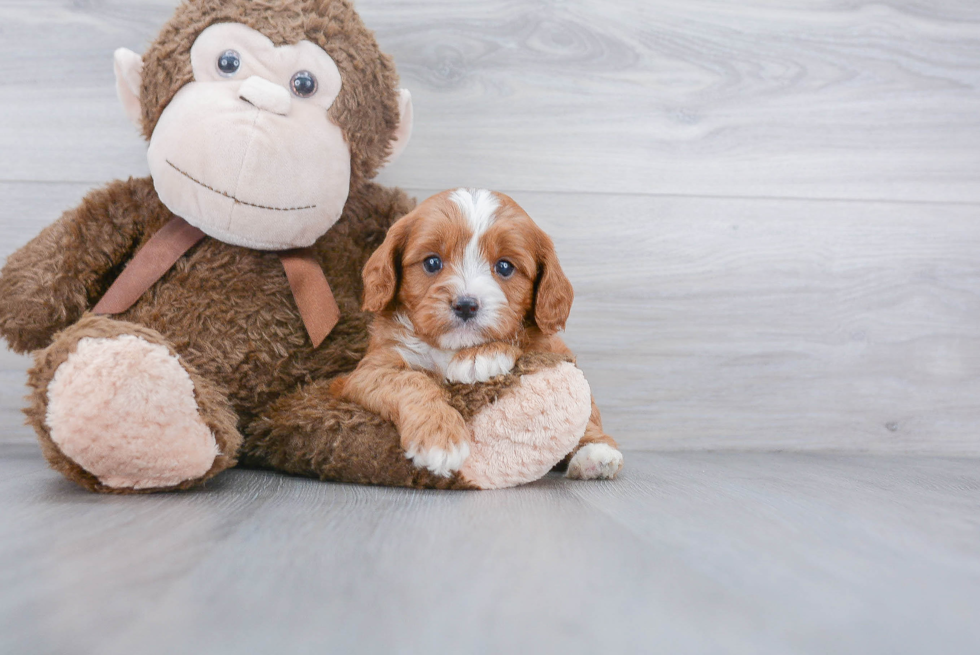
(237,201)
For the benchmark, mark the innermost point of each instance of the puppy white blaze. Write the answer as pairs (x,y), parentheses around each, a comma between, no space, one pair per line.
(473,276)
(479,207)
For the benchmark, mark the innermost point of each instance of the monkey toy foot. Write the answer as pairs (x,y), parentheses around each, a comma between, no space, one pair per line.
(118,412)
(519,438)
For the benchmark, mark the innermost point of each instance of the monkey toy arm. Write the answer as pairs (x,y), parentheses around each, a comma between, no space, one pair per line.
(49,283)
(520,425)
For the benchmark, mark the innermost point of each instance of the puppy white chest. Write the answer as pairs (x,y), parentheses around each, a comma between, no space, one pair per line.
(417,353)
(468,370)
(421,356)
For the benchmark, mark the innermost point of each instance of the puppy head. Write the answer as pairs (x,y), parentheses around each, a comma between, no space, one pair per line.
(467,267)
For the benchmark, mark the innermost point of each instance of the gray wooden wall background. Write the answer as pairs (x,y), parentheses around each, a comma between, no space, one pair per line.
(770,209)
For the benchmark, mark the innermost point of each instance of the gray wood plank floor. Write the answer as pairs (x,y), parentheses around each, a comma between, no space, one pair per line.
(769,212)
(752,332)
(687,553)
(809,98)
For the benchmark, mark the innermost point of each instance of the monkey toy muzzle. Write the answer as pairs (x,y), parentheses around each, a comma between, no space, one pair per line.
(247,151)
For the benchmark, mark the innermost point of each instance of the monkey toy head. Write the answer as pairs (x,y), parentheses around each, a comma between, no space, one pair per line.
(262,117)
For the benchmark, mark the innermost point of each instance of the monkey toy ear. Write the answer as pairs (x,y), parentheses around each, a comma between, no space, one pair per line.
(404,130)
(129,79)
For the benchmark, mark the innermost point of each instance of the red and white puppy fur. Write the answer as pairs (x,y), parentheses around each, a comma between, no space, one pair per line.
(461,287)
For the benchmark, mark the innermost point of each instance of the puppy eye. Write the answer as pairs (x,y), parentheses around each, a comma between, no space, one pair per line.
(229,62)
(303,84)
(504,268)
(432,264)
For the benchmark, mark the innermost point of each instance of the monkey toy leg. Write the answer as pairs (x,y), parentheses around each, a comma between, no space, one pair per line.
(521,425)
(117,411)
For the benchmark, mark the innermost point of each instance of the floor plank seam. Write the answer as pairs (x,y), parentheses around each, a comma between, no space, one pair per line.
(623,194)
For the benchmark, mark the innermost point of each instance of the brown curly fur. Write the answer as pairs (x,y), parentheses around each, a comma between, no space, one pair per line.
(352,445)
(226,311)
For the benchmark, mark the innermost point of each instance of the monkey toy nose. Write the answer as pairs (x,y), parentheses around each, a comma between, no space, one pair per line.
(265,95)
(466,308)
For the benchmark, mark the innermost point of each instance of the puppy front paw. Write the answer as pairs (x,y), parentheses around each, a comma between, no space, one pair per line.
(441,461)
(595,461)
(439,442)
(481,364)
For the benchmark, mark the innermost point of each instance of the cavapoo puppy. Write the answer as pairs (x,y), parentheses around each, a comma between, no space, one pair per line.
(460,288)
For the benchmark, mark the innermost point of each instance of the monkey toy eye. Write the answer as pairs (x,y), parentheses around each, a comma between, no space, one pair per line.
(432,265)
(504,268)
(303,84)
(229,62)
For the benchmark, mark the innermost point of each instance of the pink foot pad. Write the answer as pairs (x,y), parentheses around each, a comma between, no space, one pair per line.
(124,410)
(522,436)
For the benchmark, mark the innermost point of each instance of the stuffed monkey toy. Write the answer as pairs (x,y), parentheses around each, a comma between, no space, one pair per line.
(193,320)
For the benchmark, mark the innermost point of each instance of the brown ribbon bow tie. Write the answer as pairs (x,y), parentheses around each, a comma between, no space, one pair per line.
(311,291)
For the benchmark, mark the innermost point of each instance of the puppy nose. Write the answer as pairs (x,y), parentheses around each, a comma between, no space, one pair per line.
(466,308)
(265,95)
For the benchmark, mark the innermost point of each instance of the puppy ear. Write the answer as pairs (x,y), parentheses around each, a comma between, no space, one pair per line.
(383,268)
(554,294)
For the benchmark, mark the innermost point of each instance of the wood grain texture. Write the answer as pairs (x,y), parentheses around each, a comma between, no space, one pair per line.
(737,323)
(59,116)
(813,98)
(734,553)
(661,144)
(703,321)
